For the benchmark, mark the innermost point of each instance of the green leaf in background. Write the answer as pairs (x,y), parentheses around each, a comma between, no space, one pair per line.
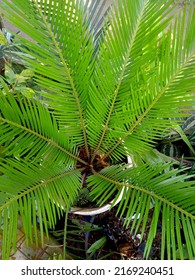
(24,76)
(85,226)
(10,75)
(189,125)
(3,40)
(97,245)
(28,92)
(27,73)
(192,138)
(185,138)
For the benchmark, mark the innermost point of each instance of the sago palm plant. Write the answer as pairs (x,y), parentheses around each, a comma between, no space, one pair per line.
(112,82)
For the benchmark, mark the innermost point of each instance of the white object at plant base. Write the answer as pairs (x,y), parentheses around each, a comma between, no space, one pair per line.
(99,210)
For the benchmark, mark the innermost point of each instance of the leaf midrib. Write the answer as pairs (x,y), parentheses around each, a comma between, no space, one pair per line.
(40,136)
(36,186)
(132,39)
(146,112)
(75,93)
(148,192)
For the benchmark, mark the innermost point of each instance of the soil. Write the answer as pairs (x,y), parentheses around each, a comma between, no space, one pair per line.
(120,243)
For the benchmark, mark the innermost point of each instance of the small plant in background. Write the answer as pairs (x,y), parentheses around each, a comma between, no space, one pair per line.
(111,84)
(180,144)
(21,83)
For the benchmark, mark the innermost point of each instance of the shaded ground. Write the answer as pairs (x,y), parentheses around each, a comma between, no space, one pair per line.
(116,242)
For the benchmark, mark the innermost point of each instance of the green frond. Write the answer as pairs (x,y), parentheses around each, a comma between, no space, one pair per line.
(162,101)
(27,127)
(36,194)
(170,194)
(151,83)
(66,51)
(118,64)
